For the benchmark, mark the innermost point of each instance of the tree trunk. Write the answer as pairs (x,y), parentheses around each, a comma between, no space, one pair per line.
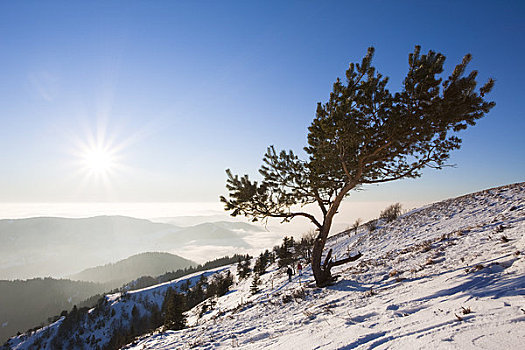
(321,271)
(322,276)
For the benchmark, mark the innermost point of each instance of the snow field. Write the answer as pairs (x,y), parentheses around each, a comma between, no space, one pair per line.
(447,276)
(450,275)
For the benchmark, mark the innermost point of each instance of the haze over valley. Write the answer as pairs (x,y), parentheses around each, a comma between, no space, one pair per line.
(62,247)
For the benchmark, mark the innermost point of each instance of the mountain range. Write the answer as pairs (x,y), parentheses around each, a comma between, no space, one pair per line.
(59,247)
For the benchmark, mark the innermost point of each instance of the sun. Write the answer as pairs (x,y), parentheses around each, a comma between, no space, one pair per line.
(99,160)
(98,157)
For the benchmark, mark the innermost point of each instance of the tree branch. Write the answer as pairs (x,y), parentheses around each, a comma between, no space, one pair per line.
(319,202)
(344,261)
(421,164)
(292,215)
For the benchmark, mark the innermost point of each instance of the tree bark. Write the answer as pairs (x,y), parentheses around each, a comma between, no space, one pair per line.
(322,274)
(322,277)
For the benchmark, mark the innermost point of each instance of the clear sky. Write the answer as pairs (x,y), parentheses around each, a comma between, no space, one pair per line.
(174,92)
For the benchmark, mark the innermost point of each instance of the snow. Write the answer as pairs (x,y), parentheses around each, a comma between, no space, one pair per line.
(115,313)
(372,306)
(446,276)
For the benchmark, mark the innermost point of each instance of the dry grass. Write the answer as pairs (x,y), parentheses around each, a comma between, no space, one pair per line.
(466,311)
(393,273)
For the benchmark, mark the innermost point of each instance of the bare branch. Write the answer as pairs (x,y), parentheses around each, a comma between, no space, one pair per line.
(292,215)
(344,261)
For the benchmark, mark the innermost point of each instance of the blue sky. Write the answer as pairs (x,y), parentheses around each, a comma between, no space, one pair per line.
(182,90)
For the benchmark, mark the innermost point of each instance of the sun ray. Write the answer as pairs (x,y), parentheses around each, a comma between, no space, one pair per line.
(98,155)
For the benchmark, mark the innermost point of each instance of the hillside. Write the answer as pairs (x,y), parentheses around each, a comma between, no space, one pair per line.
(448,275)
(99,326)
(26,304)
(144,264)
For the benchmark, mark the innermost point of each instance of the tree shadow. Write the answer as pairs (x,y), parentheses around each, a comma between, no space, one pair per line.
(489,282)
(346,285)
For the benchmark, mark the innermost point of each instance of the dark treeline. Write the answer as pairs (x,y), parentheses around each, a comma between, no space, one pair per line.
(147,281)
(146,316)
(29,303)
(123,324)
(90,295)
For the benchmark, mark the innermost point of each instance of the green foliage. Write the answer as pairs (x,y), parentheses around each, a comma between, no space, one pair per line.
(364,135)
(197,294)
(243,268)
(224,283)
(262,262)
(219,285)
(286,252)
(254,287)
(174,307)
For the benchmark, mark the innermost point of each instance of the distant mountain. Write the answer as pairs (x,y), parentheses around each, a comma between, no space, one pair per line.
(220,233)
(25,304)
(49,246)
(58,247)
(192,220)
(144,264)
(238,226)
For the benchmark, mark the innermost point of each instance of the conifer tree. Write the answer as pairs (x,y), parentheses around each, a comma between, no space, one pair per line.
(224,283)
(254,287)
(260,264)
(364,135)
(286,252)
(243,268)
(174,306)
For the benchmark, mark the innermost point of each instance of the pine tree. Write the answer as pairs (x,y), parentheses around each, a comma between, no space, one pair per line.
(224,283)
(364,135)
(268,255)
(254,287)
(260,264)
(243,268)
(286,252)
(174,308)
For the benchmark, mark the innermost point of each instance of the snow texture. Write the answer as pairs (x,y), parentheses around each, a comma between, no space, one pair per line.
(446,276)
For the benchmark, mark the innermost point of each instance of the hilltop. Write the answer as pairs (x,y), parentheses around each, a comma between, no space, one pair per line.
(144,264)
(448,275)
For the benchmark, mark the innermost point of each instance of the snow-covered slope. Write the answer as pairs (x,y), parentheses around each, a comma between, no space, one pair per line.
(94,328)
(448,276)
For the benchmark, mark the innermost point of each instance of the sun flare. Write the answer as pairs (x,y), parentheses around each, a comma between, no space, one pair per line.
(99,161)
(98,157)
